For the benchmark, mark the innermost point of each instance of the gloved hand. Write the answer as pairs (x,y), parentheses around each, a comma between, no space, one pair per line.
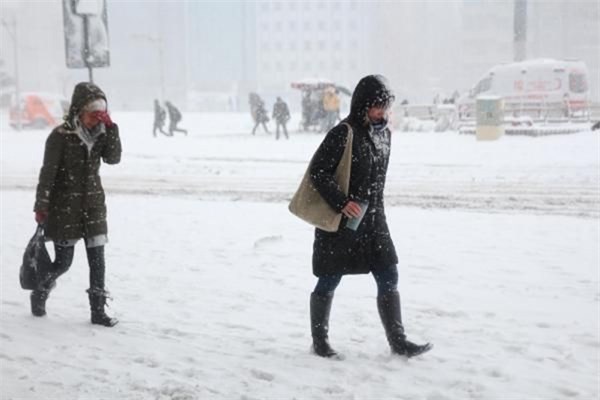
(104,117)
(41,216)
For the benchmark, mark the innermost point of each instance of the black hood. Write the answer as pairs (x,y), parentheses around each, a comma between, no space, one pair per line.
(83,93)
(372,90)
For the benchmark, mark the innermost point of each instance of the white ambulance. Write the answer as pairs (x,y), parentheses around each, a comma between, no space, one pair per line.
(533,86)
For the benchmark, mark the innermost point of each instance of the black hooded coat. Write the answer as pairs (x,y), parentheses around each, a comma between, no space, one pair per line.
(370,247)
(69,186)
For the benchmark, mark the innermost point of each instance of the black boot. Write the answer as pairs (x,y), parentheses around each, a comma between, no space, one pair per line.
(47,279)
(320,307)
(391,317)
(97,302)
(38,302)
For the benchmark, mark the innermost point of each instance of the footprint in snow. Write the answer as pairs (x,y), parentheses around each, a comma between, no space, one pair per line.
(262,375)
(267,241)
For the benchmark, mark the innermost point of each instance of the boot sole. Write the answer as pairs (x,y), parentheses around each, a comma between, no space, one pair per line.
(425,349)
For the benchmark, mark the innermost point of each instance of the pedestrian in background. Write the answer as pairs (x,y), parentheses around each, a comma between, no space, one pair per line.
(174,119)
(160,116)
(281,115)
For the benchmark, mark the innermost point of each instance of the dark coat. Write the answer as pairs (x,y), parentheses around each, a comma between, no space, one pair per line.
(69,186)
(370,246)
(281,112)
(174,113)
(160,115)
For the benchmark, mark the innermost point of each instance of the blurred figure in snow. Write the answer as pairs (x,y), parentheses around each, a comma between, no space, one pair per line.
(160,115)
(258,112)
(174,119)
(281,115)
(70,199)
(331,107)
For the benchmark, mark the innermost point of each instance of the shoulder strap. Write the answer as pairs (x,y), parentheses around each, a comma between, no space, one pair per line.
(350,131)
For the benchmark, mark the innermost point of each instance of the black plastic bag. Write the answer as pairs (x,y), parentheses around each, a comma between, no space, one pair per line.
(36,260)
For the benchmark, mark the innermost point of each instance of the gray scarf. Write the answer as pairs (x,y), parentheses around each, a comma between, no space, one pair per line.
(89,136)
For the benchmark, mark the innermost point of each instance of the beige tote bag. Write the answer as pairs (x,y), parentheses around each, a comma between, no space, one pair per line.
(308,205)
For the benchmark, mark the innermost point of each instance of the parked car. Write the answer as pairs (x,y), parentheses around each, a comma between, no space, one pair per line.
(38,110)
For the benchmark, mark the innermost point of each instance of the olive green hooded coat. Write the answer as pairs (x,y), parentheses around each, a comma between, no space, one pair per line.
(69,186)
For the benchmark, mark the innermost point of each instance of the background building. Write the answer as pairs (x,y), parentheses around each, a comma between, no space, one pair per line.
(207,55)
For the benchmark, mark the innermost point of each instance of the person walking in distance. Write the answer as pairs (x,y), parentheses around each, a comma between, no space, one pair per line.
(259,112)
(70,201)
(281,115)
(174,119)
(368,247)
(160,115)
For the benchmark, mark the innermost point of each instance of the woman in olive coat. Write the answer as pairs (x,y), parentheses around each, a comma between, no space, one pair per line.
(70,200)
(369,248)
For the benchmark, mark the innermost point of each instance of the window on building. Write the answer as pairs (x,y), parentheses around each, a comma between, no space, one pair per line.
(307,45)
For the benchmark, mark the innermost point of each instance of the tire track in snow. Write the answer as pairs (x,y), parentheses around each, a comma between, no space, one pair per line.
(578,199)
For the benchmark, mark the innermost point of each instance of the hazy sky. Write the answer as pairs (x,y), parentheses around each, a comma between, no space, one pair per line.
(179,50)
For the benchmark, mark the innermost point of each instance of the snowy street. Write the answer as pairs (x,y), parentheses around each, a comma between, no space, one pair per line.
(211,275)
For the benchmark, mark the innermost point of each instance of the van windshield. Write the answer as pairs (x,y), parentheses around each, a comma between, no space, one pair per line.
(577,82)
(483,86)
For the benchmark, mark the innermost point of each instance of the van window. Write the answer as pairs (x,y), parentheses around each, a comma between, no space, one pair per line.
(577,82)
(483,86)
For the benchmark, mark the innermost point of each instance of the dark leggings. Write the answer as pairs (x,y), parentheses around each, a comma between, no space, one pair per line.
(63,260)
(386,279)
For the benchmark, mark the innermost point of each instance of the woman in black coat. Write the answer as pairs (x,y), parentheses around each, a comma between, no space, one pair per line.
(369,248)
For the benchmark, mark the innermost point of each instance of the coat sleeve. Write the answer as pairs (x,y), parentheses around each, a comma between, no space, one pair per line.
(111,154)
(52,158)
(324,164)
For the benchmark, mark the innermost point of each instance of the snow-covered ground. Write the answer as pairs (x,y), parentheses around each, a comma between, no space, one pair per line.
(499,268)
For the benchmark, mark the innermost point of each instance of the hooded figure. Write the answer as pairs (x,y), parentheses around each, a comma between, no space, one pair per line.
(368,248)
(70,201)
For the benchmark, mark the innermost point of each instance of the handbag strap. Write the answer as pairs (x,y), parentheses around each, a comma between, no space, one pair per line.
(343,169)
(350,131)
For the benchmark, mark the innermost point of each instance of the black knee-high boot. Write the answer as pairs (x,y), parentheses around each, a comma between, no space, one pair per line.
(96,293)
(62,262)
(320,308)
(391,318)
